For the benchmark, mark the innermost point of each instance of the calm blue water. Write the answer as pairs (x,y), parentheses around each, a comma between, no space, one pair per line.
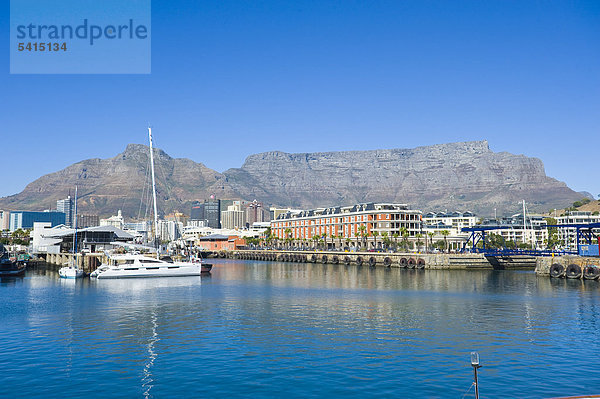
(259,329)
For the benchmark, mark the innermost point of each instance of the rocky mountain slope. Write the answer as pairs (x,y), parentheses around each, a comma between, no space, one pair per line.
(455,176)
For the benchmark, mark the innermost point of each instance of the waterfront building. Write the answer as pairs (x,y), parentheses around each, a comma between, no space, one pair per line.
(92,239)
(4,220)
(447,226)
(84,221)
(66,206)
(234,217)
(26,219)
(368,223)
(533,233)
(219,242)
(568,235)
(275,212)
(115,221)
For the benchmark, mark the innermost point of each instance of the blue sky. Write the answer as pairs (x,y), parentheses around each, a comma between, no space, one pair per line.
(232,78)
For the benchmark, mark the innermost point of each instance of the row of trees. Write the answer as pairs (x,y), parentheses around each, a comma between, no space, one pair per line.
(360,240)
(18,237)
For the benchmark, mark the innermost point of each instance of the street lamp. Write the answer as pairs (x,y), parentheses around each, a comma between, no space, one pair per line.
(476,365)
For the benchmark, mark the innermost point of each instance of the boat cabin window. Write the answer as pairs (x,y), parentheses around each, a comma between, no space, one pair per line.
(151,261)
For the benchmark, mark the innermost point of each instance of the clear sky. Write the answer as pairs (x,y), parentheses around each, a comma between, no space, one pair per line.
(232,78)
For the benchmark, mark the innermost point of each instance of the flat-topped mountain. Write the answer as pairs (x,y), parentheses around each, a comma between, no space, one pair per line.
(455,176)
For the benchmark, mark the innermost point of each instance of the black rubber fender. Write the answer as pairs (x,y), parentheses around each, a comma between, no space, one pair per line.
(359,260)
(347,260)
(420,263)
(591,272)
(411,263)
(403,262)
(372,261)
(573,271)
(335,260)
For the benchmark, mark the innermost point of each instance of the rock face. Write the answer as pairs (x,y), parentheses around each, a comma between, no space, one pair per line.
(122,182)
(456,176)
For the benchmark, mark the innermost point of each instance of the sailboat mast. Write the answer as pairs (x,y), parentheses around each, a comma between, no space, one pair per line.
(153,190)
(524,223)
(75,226)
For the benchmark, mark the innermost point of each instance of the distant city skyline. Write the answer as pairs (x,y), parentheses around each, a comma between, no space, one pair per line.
(230,79)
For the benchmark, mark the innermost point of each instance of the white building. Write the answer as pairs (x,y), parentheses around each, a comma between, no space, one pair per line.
(169,230)
(568,235)
(115,221)
(234,217)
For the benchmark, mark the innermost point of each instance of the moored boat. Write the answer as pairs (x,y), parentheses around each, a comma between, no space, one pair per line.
(136,266)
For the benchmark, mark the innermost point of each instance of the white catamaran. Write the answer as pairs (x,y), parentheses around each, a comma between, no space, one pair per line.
(136,265)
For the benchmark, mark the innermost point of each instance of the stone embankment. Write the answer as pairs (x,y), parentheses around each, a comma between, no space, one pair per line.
(571,266)
(408,260)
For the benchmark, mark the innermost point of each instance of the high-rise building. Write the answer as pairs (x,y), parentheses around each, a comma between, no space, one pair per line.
(66,206)
(256,212)
(234,217)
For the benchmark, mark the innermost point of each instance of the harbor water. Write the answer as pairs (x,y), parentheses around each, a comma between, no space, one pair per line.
(266,329)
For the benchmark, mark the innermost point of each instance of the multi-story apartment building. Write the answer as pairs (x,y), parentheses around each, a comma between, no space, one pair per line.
(568,235)
(534,232)
(66,206)
(234,217)
(355,222)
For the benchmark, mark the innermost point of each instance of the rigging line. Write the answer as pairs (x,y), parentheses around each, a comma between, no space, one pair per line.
(166,183)
(468,390)
(144,186)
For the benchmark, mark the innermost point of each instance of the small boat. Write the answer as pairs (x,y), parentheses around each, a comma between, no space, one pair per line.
(70,271)
(8,266)
(137,266)
(204,267)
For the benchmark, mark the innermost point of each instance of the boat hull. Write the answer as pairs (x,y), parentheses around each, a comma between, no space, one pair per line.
(165,271)
(69,272)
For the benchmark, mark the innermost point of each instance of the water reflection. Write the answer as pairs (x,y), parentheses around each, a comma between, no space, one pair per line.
(328,330)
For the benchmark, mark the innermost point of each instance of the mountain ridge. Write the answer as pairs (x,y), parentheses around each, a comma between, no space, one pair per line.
(462,176)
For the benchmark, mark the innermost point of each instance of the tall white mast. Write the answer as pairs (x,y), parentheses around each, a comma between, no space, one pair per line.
(153,189)
(524,223)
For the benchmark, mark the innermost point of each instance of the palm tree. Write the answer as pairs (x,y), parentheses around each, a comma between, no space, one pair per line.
(348,241)
(445,233)
(396,235)
(363,234)
(385,237)
(419,242)
(431,234)
(405,235)
(375,234)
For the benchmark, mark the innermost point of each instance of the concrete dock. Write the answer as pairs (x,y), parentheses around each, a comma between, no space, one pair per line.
(407,260)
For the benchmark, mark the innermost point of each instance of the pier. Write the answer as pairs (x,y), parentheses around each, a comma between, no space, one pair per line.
(87,262)
(397,259)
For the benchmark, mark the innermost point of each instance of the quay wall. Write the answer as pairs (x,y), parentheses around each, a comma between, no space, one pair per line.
(408,260)
(543,264)
(87,262)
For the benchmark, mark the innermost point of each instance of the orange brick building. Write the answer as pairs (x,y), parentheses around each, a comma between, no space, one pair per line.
(347,221)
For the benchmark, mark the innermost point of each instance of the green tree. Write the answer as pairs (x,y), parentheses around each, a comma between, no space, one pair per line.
(419,242)
(363,234)
(375,235)
(445,234)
